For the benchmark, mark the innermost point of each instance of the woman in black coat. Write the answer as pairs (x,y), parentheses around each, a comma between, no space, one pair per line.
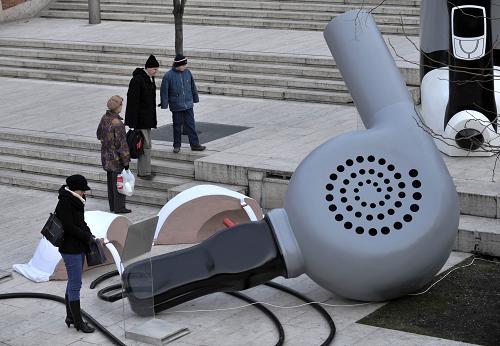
(77,237)
(140,113)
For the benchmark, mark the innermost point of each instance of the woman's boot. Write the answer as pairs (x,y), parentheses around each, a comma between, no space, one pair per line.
(77,318)
(69,317)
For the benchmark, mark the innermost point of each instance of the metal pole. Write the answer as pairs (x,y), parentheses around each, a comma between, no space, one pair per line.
(94,11)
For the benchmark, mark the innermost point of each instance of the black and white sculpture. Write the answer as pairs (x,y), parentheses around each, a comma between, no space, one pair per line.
(458,42)
(369,215)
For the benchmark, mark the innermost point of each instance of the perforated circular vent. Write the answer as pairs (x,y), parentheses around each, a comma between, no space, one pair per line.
(367,195)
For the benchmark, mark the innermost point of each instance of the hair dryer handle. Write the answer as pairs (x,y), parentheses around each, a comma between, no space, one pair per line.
(233,259)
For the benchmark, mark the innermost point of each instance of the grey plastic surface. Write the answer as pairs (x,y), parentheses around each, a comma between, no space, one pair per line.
(434,26)
(495,25)
(139,239)
(287,243)
(393,166)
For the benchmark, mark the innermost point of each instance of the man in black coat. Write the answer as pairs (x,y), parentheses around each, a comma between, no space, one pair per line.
(141,110)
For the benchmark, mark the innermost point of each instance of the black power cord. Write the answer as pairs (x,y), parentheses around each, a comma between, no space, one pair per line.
(112,298)
(102,294)
(58,299)
(266,311)
(102,278)
(314,305)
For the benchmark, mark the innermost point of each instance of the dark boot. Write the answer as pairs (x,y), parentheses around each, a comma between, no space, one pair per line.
(69,317)
(198,147)
(77,318)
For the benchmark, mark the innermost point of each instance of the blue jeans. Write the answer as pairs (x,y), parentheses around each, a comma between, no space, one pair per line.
(188,116)
(74,268)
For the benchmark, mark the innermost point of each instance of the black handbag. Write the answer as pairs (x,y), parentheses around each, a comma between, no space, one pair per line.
(53,230)
(135,141)
(95,254)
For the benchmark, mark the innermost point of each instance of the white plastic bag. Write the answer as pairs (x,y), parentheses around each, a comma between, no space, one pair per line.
(125,182)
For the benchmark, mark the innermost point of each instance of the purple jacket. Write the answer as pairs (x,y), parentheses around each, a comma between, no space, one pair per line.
(115,153)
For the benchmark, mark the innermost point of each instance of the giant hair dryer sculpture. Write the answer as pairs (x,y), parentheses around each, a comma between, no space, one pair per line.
(369,215)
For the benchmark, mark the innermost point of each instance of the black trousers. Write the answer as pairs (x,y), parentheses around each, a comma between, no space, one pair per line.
(116,200)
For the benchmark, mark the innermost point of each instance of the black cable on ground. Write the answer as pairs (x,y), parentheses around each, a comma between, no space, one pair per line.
(266,311)
(110,298)
(117,296)
(58,299)
(316,306)
(102,278)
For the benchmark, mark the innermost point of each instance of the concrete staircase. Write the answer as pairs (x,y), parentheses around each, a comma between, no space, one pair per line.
(393,17)
(42,161)
(479,229)
(270,76)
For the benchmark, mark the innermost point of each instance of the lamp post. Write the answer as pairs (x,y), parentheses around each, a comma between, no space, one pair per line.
(94,11)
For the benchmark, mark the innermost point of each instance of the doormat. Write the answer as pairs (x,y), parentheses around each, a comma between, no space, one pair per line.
(207,132)
(464,307)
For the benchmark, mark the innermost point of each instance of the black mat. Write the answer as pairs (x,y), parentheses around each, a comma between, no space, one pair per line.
(207,132)
(464,307)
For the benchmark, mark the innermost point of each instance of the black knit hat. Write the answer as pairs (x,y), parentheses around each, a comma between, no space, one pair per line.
(152,62)
(77,182)
(180,60)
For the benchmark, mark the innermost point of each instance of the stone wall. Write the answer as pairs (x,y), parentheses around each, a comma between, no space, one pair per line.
(20,9)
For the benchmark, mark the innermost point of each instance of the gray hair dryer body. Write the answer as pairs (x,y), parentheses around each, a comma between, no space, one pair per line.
(375,212)
(369,215)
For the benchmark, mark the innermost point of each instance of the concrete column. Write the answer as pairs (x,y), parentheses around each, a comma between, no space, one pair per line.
(94,11)
(255,179)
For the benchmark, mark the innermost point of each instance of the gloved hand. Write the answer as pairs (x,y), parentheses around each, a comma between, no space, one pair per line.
(159,105)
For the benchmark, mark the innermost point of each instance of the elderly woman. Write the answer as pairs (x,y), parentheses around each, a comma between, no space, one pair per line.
(115,155)
(77,237)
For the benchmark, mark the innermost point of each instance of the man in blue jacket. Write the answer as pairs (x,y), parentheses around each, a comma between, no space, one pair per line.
(178,92)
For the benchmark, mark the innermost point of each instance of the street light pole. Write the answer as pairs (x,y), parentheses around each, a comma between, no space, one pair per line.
(94,11)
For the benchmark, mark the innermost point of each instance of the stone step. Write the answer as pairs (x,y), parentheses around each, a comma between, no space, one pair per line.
(209,62)
(399,29)
(305,7)
(99,189)
(212,77)
(177,171)
(479,198)
(93,172)
(141,195)
(203,87)
(478,234)
(161,151)
(274,14)
(248,90)
(43,162)
(353,2)
(195,64)
(207,54)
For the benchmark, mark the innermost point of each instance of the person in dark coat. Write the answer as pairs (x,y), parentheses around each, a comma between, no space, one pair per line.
(77,237)
(178,91)
(115,155)
(141,110)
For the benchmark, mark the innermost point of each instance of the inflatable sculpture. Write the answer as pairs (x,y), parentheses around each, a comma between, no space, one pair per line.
(369,215)
(178,224)
(459,88)
(47,264)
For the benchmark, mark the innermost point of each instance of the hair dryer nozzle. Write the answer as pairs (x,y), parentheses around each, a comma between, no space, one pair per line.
(367,66)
